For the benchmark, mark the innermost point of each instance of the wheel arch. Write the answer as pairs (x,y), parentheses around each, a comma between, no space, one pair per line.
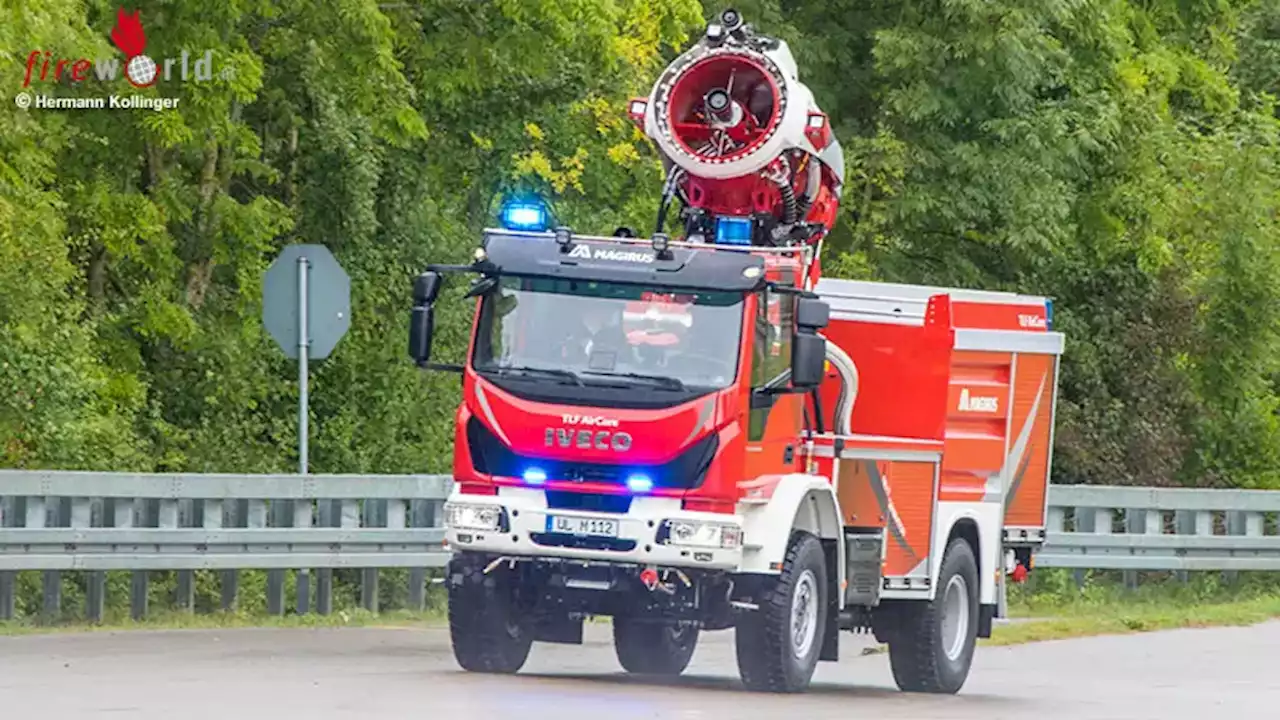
(966,528)
(819,514)
(795,502)
(978,524)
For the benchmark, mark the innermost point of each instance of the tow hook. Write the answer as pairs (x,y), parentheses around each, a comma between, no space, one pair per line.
(1019,574)
(511,564)
(649,576)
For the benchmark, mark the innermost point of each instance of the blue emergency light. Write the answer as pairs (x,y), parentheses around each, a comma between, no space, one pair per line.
(639,483)
(535,476)
(531,216)
(733,231)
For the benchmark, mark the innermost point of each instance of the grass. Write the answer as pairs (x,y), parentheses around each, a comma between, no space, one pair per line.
(1055,608)
(1052,607)
(174,620)
(1130,619)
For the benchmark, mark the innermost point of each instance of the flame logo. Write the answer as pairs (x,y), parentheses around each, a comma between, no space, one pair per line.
(128,34)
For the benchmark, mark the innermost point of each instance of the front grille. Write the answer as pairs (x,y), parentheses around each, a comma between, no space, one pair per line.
(589,502)
(684,472)
(585,472)
(583,543)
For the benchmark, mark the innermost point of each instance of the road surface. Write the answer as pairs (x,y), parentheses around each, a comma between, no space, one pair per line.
(409,673)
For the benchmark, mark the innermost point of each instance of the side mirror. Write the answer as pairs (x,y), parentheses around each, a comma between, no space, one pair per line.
(808,360)
(426,288)
(421,326)
(812,314)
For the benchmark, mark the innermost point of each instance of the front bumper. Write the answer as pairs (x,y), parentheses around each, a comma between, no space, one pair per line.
(654,531)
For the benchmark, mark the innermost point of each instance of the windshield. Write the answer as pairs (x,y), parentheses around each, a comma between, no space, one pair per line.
(602,332)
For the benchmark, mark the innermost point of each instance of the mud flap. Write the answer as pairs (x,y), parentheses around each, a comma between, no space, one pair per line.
(986,618)
(831,633)
(558,629)
(831,641)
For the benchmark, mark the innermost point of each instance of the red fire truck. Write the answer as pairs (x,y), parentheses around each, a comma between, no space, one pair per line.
(690,436)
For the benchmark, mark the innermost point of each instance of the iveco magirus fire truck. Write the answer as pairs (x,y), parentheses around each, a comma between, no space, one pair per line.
(703,434)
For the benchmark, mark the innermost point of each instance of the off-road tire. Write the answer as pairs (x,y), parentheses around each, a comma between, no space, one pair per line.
(486,628)
(650,648)
(766,646)
(918,644)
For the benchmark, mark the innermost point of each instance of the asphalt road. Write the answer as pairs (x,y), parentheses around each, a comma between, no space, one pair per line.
(410,673)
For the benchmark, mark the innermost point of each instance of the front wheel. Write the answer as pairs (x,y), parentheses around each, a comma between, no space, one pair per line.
(778,645)
(932,644)
(486,627)
(648,648)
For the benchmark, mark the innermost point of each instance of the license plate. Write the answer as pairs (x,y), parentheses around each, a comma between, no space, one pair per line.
(600,527)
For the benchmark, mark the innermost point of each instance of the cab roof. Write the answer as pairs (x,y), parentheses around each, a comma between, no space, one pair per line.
(620,259)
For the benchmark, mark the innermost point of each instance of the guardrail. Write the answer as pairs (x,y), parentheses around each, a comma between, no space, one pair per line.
(1138,528)
(98,522)
(55,521)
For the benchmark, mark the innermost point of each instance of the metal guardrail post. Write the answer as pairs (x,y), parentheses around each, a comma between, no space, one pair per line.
(8,578)
(275,577)
(140,580)
(369,576)
(236,514)
(303,518)
(324,576)
(420,515)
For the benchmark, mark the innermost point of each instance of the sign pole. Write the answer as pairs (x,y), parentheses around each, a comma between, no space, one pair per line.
(303,346)
(304,577)
(306,326)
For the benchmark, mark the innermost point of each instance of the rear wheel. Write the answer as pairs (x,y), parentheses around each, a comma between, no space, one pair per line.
(779,644)
(650,648)
(486,627)
(933,643)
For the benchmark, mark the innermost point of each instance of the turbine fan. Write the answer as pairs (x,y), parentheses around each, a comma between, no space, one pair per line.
(723,107)
(717,111)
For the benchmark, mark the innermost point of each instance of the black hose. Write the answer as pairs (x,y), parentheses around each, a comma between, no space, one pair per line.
(668,189)
(789,210)
(662,212)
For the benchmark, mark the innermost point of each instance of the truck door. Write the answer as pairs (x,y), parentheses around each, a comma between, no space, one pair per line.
(775,420)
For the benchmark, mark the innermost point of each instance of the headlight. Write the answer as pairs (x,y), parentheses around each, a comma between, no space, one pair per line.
(473,517)
(692,533)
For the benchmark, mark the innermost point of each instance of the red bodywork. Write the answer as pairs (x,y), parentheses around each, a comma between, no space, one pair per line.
(914,388)
(522,424)
(902,376)
(909,375)
(907,372)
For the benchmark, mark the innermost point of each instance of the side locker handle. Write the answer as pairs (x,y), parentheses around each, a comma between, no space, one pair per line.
(789,454)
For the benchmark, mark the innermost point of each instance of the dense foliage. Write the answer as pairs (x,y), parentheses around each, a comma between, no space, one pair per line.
(1119,155)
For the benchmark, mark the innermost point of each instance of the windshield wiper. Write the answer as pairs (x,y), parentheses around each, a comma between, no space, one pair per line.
(526,370)
(663,381)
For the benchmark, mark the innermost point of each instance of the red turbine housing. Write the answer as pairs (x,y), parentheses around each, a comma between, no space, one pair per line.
(741,136)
